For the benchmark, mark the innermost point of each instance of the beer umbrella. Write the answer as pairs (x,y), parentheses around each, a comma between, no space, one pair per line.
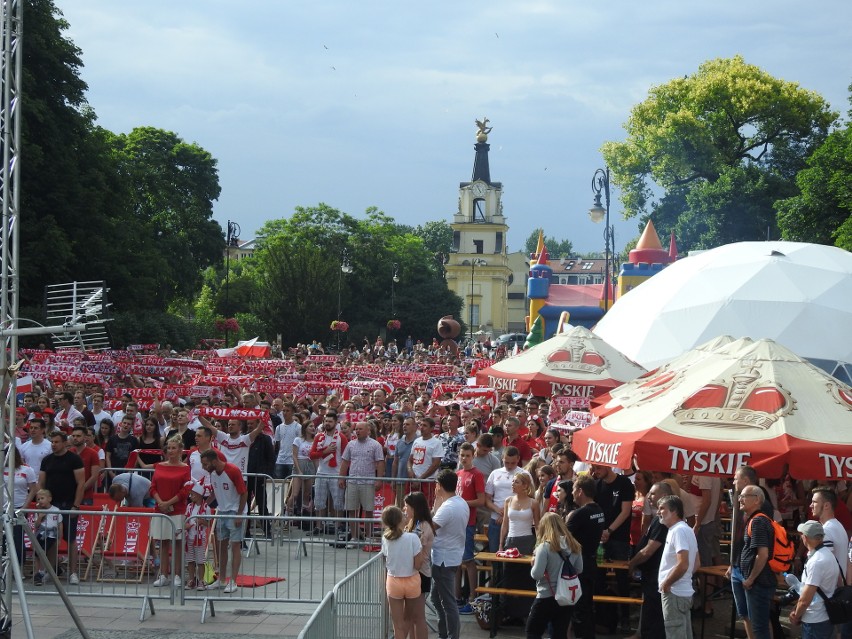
(576,363)
(748,403)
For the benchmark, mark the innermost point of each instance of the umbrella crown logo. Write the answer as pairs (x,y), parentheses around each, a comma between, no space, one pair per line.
(842,396)
(747,400)
(577,357)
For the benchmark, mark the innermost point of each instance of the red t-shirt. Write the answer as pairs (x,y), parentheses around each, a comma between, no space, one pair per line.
(170,481)
(90,460)
(522,446)
(470,485)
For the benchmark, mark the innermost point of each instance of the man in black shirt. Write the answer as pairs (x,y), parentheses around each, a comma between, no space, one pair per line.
(752,581)
(615,494)
(586,524)
(63,474)
(120,445)
(649,551)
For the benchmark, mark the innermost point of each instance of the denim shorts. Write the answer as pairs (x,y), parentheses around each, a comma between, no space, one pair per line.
(227,529)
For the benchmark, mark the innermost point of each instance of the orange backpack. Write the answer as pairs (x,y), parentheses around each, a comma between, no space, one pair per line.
(782,552)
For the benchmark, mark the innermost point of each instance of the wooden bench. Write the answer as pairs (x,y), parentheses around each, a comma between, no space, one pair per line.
(511,592)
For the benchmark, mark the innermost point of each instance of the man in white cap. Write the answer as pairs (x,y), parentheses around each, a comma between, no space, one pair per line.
(821,574)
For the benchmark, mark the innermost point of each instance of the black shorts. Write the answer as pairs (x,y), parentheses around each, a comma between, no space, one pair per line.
(69,522)
(425,584)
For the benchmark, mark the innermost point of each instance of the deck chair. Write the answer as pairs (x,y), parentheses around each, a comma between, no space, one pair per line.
(127,539)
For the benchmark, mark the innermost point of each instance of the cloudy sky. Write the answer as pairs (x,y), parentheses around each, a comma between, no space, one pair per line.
(372,103)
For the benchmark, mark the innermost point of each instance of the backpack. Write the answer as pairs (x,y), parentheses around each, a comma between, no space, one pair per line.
(781,555)
(568,589)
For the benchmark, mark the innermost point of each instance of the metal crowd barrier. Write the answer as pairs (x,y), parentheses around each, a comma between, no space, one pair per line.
(284,559)
(114,556)
(352,607)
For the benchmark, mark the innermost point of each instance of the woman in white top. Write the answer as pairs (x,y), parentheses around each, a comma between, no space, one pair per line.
(25,486)
(520,516)
(419,521)
(402,559)
(303,465)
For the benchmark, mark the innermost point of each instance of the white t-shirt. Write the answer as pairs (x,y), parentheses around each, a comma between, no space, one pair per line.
(423,453)
(24,478)
(399,554)
(235,449)
(285,435)
(451,520)
(303,448)
(499,486)
(680,537)
(32,454)
(714,485)
(820,570)
(226,488)
(836,540)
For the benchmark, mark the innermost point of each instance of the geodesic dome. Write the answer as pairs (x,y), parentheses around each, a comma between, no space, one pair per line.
(798,294)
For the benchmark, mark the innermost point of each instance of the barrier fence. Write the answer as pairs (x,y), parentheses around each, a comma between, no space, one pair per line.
(356,608)
(284,559)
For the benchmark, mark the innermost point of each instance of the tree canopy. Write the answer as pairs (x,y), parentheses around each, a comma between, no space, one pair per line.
(555,248)
(132,209)
(822,212)
(721,146)
(297,271)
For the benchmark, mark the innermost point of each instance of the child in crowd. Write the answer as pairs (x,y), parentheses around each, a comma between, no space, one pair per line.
(48,531)
(196,537)
(402,559)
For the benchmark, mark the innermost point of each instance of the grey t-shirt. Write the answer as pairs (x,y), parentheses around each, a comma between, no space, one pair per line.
(138,488)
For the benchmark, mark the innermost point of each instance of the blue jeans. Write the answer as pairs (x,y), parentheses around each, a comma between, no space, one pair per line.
(493,536)
(752,604)
(283,471)
(819,630)
(444,600)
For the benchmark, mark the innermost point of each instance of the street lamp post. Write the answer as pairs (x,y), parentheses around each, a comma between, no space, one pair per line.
(345,268)
(473,264)
(600,183)
(231,241)
(394,280)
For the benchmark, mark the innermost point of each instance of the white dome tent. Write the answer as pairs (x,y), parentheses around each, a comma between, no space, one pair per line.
(798,294)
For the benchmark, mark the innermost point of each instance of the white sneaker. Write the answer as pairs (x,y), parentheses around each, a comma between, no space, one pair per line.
(160,581)
(230,587)
(215,585)
(178,582)
(73,579)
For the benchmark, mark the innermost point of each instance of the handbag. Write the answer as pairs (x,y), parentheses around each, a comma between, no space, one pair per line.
(839,605)
(568,589)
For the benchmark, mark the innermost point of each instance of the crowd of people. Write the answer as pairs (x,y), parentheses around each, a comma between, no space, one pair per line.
(456,468)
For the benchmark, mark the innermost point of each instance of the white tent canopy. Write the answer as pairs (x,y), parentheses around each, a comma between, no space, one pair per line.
(799,295)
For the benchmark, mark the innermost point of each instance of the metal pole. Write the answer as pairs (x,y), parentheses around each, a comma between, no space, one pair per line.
(472,268)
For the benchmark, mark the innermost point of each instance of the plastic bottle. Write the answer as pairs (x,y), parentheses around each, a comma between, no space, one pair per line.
(600,554)
(794,583)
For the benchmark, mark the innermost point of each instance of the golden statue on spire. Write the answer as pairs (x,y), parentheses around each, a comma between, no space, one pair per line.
(484,130)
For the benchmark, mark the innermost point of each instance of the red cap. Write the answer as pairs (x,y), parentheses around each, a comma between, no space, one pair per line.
(48,411)
(21,410)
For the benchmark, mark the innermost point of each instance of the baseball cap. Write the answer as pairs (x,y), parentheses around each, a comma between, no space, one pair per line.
(811,529)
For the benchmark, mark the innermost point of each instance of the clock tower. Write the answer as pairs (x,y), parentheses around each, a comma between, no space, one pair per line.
(478,268)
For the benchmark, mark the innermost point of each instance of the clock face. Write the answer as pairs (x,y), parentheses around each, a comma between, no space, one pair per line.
(478,189)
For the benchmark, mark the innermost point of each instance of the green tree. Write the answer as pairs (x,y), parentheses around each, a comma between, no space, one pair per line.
(727,133)
(297,274)
(172,185)
(437,236)
(555,248)
(822,212)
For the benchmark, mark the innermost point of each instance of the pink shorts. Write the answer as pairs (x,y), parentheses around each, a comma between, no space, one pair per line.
(403,587)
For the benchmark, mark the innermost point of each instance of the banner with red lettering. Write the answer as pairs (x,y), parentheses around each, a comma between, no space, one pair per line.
(560,406)
(77,378)
(224,412)
(318,359)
